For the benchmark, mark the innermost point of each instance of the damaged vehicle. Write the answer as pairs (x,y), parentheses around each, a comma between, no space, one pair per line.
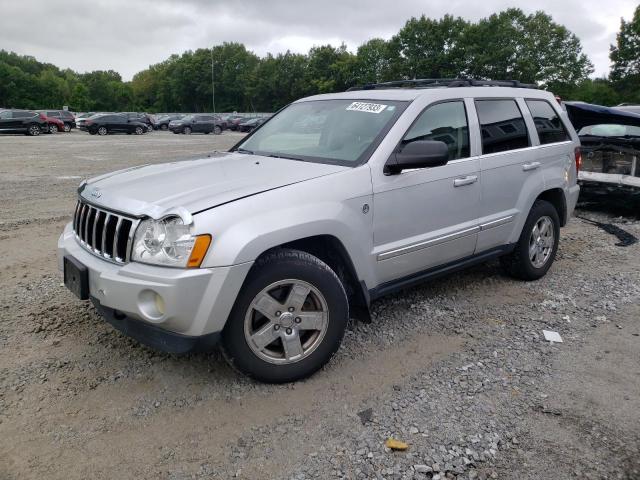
(610,138)
(269,249)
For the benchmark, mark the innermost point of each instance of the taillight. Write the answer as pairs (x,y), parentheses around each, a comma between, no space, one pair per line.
(578,157)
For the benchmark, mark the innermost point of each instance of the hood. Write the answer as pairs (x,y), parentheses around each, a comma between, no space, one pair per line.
(586,114)
(196,185)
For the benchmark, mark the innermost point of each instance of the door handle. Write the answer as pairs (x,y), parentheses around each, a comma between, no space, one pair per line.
(530,166)
(462,181)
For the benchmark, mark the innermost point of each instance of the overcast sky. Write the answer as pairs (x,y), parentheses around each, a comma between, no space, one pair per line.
(129,35)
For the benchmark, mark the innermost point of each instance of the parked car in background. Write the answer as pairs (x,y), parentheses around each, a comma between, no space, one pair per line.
(234,123)
(68,119)
(23,121)
(162,123)
(610,143)
(80,119)
(141,117)
(252,124)
(105,123)
(198,123)
(54,124)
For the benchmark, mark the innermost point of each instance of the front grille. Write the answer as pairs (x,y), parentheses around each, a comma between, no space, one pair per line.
(104,233)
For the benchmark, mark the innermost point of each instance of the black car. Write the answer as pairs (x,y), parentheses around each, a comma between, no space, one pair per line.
(141,117)
(105,123)
(23,121)
(163,121)
(251,124)
(63,115)
(199,123)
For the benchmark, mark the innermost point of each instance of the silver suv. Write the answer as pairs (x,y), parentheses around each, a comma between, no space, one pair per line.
(337,200)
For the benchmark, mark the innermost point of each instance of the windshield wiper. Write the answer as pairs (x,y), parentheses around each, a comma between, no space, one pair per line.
(244,150)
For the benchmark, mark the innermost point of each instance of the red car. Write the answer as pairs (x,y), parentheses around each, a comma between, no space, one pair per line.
(55,124)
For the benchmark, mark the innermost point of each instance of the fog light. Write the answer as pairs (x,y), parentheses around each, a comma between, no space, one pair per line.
(159,304)
(151,304)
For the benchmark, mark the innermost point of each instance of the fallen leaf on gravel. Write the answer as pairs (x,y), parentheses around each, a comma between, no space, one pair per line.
(394,444)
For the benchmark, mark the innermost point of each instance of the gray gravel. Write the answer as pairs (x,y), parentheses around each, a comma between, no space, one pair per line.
(458,369)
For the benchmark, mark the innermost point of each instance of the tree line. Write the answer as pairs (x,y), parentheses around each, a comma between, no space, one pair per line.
(508,45)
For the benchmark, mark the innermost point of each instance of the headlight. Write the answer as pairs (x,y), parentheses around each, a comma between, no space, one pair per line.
(169,242)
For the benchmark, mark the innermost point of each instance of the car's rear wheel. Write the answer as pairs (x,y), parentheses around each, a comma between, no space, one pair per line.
(164,127)
(288,320)
(53,128)
(187,130)
(538,243)
(102,130)
(139,130)
(33,130)
(67,127)
(217,130)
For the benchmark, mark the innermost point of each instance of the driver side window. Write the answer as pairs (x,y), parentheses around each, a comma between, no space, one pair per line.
(445,122)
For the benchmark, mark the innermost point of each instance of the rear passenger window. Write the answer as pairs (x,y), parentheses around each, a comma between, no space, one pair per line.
(444,122)
(501,125)
(548,124)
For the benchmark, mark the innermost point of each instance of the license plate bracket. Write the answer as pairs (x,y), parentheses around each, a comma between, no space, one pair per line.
(76,278)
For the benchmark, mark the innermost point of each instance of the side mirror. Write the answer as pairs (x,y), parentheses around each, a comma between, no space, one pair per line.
(417,154)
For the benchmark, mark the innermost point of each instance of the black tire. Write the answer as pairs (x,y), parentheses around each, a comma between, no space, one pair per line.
(53,128)
(186,130)
(139,130)
(273,267)
(164,126)
(67,127)
(103,130)
(518,263)
(34,130)
(217,130)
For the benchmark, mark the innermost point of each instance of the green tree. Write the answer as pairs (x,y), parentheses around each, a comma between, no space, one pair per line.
(373,61)
(428,48)
(529,48)
(625,59)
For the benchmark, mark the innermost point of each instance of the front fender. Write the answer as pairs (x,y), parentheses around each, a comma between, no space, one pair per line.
(330,205)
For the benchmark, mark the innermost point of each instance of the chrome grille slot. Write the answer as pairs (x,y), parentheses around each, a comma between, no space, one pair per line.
(104,233)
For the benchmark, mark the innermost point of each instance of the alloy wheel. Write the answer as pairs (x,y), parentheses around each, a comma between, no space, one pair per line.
(541,242)
(286,321)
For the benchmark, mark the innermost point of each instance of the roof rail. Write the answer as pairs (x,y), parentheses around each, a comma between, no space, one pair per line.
(443,82)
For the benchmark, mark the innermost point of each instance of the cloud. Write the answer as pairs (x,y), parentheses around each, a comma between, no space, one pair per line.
(127,36)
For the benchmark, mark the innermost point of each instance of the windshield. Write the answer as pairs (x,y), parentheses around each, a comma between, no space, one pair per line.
(187,118)
(610,130)
(326,131)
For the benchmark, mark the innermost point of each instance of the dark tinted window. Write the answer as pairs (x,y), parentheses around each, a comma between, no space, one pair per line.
(548,124)
(444,122)
(22,114)
(53,114)
(502,126)
(5,114)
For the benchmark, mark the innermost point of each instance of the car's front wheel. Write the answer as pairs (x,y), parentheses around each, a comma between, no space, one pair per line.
(164,127)
(217,130)
(139,130)
(288,320)
(103,131)
(538,243)
(33,130)
(53,128)
(187,130)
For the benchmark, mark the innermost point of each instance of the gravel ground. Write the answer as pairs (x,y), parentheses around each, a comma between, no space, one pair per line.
(458,368)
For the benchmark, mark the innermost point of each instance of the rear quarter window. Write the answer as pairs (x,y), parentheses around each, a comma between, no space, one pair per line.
(501,125)
(548,123)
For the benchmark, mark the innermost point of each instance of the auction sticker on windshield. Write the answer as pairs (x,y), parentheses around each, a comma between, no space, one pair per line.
(367,107)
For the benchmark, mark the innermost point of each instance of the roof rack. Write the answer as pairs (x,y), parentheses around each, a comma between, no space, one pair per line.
(443,82)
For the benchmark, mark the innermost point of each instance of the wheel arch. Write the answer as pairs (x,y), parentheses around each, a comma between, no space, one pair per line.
(556,197)
(332,251)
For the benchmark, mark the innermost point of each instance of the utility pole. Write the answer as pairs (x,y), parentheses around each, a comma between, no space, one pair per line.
(213,87)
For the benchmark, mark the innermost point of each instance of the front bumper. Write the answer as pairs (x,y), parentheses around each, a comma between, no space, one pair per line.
(196,302)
